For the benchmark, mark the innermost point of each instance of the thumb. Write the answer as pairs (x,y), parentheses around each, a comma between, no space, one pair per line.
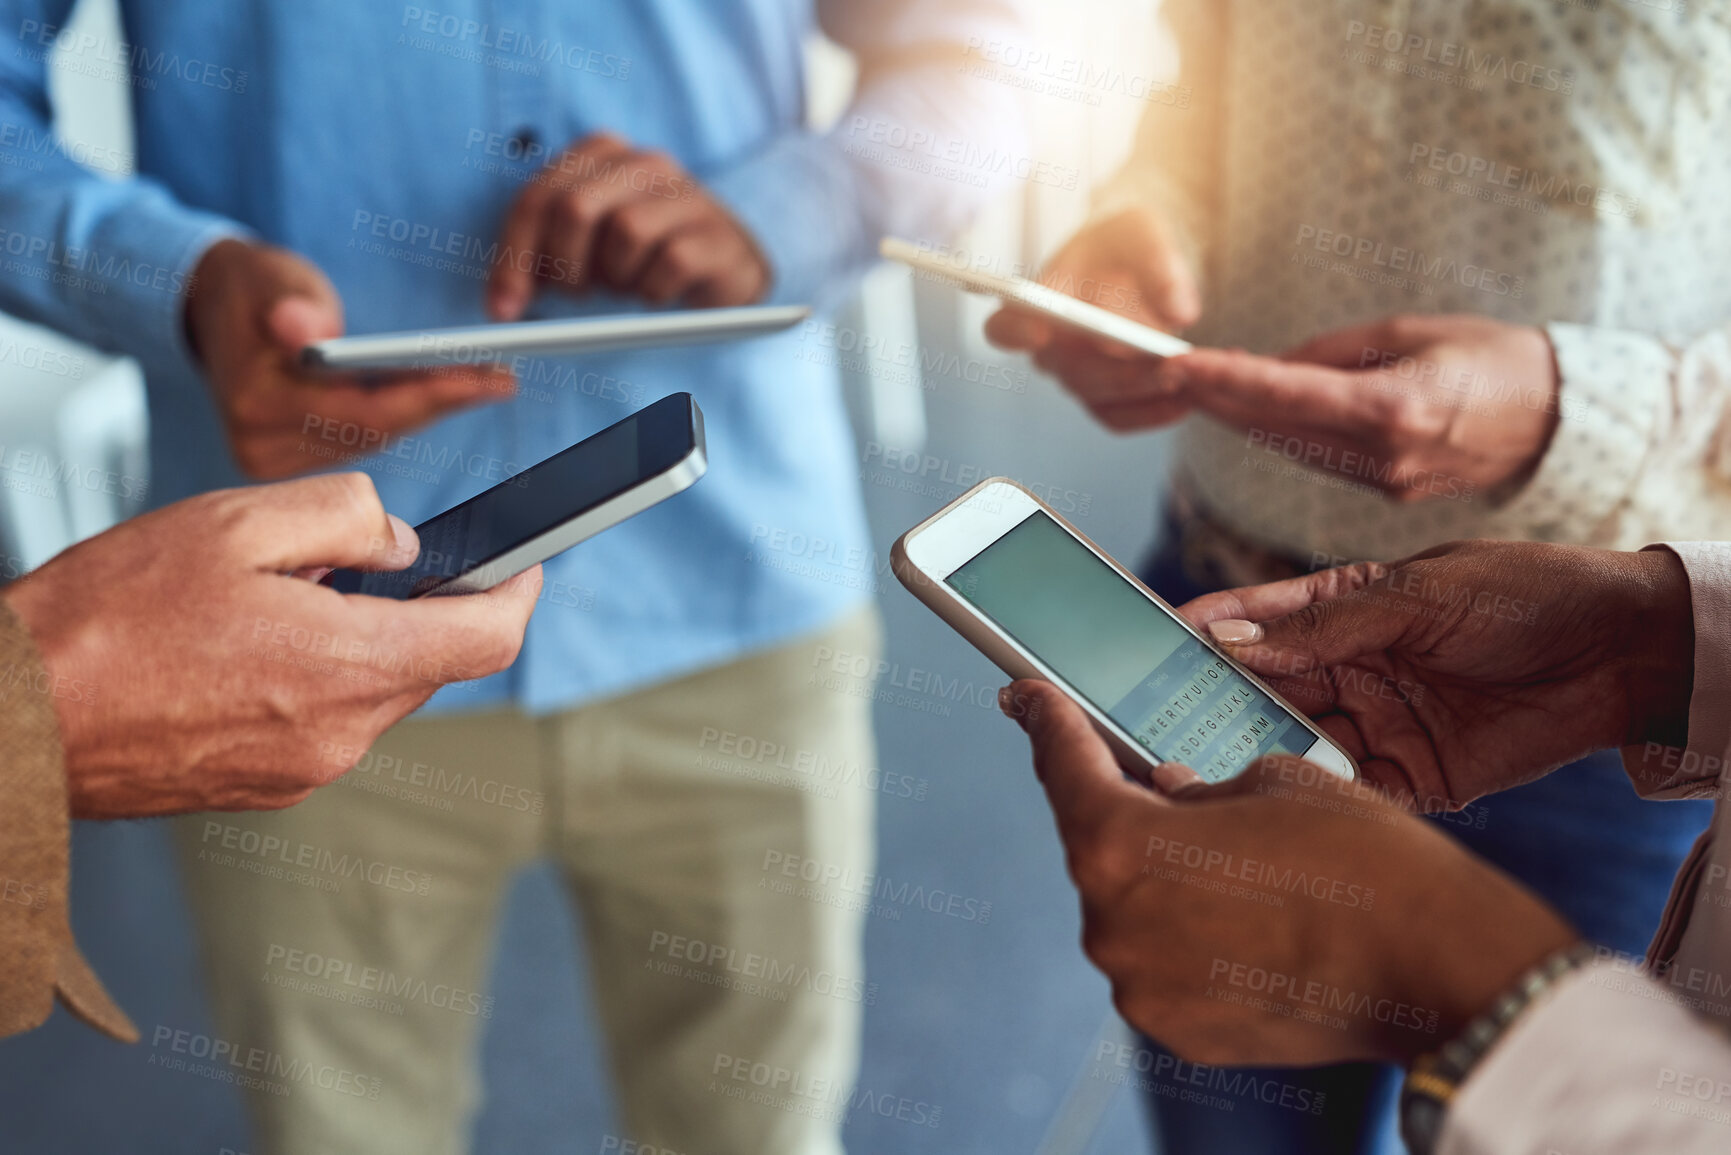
(296,322)
(1013,328)
(1082,779)
(329,519)
(1176,301)
(1302,646)
(301,305)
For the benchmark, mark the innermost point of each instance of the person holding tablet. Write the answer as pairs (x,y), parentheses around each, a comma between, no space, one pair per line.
(1518,1035)
(352,168)
(1400,197)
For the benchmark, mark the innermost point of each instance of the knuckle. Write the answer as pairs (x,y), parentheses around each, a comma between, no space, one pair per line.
(1309,622)
(1412,422)
(1101,869)
(1151,236)
(1242,363)
(739,291)
(1364,573)
(230,513)
(1135,223)
(1399,330)
(1133,1007)
(683,259)
(571,209)
(1099,945)
(359,489)
(633,223)
(1346,579)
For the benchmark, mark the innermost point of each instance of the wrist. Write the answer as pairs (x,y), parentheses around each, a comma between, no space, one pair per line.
(1436,1077)
(1533,427)
(1472,990)
(209,284)
(1658,647)
(1547,415)
(1483,932)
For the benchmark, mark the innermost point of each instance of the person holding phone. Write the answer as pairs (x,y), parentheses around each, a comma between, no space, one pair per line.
(151,670)
(347,168)
(1518,1036)
(1027,588)
(1497,300)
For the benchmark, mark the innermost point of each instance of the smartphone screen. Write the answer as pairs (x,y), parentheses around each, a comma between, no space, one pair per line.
(537,500)
(1130,659)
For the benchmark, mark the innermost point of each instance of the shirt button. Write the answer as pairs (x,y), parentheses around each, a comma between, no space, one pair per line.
(525,142)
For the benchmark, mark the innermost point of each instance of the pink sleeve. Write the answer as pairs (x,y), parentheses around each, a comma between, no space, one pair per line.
(1666,771)
(1609,1064)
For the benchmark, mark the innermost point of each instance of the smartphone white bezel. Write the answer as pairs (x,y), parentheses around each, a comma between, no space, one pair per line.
(1040,298)
(492,344)
(926,556)
(650,491)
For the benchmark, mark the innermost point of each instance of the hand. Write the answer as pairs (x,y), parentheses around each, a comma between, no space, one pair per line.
(190,671)
(249,312)
(1131,263)
(1287,919)
(607,214)
(1476,666)
(1419,407)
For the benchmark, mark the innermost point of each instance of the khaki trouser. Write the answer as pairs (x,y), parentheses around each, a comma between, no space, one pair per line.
(347,941)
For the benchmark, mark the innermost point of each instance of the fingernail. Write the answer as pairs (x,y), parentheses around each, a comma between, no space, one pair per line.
(405,540)
(1022,709)
(1235,632)
(1175,777)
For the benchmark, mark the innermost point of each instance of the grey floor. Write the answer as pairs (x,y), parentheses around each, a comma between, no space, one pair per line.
(990,1022)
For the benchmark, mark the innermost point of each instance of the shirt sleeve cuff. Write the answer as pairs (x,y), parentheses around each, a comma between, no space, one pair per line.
(1666,771)
(1610,1062)
(140,265)
(796,199)
(38,957)
(1612,387)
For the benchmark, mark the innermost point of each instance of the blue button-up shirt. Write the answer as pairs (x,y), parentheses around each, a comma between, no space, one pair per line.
(385,142)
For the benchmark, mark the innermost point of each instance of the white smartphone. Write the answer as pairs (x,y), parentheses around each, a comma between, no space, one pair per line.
(1042,299)
(491,344)
(1042,601)
(550,507)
